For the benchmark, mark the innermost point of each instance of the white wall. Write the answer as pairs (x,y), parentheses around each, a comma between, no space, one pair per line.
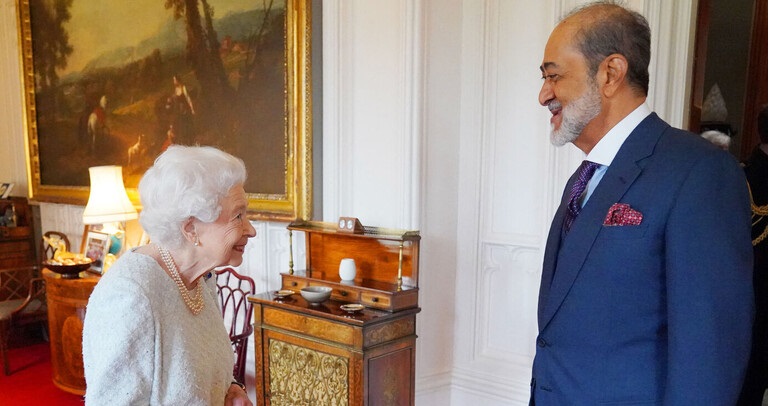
(13,166)
(431,122)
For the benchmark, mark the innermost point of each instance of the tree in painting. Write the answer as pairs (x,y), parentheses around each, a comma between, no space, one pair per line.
(53,51)
(198,79)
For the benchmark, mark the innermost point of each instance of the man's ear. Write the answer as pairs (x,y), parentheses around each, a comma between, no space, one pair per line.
(614,69)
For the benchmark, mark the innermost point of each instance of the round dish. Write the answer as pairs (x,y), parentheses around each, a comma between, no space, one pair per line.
(67,271)
(352,307)
(283,293)
(316,294)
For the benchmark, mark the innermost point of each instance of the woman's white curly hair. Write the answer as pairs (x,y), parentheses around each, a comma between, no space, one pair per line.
(185,182)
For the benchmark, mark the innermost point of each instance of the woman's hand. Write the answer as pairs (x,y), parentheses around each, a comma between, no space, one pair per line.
(236,396)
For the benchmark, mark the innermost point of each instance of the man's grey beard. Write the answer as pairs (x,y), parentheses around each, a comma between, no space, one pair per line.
(575,116)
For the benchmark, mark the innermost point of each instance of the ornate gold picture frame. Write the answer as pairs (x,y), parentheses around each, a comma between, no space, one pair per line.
(116,82)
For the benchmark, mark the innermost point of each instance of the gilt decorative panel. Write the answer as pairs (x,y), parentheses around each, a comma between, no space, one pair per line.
(302,376)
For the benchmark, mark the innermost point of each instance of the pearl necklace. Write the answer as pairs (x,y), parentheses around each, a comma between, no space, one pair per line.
(194,304)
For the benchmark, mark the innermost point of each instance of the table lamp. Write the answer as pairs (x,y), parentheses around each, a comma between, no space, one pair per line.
(108,204)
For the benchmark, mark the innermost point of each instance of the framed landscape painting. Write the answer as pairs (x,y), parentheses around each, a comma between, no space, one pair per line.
(117,82)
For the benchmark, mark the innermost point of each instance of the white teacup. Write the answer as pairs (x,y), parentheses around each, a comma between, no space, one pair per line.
(347,269)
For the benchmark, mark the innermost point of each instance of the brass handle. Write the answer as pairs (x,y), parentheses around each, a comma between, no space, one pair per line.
(344,293)
(295,283)
(374,299)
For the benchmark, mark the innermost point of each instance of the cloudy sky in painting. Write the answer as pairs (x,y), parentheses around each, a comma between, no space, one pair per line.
(100,26)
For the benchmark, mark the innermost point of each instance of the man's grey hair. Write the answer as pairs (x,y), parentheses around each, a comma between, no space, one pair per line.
(608,27)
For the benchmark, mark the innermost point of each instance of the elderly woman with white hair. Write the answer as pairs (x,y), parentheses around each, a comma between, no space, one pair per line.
(153,332)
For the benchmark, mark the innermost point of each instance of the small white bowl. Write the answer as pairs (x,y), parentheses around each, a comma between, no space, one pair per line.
(316,294)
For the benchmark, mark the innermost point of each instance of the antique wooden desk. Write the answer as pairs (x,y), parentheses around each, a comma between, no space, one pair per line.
(67,302)
(323,355)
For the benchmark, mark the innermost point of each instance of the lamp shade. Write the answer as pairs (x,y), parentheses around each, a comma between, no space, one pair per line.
(108,201)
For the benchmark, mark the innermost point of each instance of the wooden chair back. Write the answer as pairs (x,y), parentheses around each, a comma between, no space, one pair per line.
(52,242)
(233,290)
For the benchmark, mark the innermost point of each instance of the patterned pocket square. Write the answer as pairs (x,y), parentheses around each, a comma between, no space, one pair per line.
(621,214)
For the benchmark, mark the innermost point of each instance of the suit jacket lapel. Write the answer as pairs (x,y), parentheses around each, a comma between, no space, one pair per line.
(563,260)
(551,251)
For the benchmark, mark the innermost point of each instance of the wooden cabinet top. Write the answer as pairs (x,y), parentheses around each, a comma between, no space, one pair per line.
(377,233)
(386,262)
(382,256)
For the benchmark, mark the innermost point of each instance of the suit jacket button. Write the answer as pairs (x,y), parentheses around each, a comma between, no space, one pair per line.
(540,342)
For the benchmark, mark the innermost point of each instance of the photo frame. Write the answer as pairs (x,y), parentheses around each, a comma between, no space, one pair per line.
(119,99)
(95,245)
(5,190)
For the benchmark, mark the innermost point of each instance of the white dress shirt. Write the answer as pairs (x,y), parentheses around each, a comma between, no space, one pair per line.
(606,149)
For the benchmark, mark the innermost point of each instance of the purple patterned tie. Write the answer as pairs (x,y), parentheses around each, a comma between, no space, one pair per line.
(584,173)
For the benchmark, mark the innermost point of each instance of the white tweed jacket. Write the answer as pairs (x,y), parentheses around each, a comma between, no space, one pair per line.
(142,345)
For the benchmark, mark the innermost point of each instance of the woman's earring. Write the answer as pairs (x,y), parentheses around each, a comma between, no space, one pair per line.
(197,241)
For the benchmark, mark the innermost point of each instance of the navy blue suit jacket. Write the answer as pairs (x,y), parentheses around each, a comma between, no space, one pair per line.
(658,313)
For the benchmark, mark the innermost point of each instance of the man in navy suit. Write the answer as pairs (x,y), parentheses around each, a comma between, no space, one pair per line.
(646,295)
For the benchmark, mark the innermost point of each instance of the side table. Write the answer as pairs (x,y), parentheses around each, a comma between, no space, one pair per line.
(67,302)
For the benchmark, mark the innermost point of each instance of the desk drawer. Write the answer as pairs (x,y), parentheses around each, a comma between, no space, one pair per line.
(345,295)
(294,284)
(376,300)
(311,326)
